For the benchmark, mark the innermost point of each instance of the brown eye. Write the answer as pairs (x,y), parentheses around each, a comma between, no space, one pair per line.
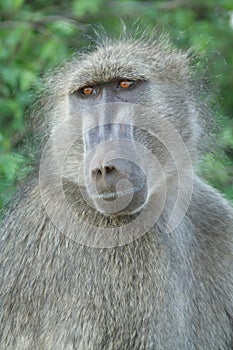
(87,90)
(125,84)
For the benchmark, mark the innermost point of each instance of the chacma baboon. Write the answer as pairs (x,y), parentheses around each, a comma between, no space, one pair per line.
(116,243)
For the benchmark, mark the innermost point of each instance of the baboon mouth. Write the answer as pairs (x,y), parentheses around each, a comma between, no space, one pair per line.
(110,196)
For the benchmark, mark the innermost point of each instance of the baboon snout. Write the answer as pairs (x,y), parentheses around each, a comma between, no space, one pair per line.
(116,181)
(117,185)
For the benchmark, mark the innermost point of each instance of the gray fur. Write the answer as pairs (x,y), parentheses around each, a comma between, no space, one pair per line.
(163,291)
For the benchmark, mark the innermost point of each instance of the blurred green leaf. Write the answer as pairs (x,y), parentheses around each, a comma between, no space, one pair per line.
(83,7)
(11,5)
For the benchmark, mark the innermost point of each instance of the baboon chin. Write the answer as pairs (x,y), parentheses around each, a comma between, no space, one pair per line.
(116,243)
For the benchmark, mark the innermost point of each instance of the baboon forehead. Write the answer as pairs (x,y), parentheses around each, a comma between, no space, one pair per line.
(111,62)
(135,60)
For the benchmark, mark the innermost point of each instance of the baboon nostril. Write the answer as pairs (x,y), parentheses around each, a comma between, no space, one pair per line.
(97,172)
(108,169)
(102,171)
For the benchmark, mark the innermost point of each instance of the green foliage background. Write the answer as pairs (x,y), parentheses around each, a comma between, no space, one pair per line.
(36,36)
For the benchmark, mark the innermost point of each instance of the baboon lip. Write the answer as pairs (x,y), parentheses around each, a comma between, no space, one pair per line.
(109,196)
(112,195)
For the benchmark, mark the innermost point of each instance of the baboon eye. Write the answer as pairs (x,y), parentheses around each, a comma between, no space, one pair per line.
(88,90)
(125,84)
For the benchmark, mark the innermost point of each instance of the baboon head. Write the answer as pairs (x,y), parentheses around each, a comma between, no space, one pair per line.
(124,124)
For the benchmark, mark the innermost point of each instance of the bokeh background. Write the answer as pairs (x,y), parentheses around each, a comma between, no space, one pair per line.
(36,36)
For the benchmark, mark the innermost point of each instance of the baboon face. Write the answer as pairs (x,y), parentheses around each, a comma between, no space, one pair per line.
(116,184)
(126,119)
